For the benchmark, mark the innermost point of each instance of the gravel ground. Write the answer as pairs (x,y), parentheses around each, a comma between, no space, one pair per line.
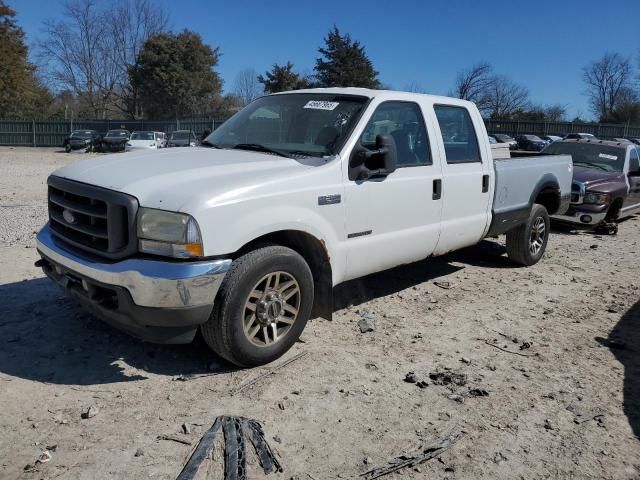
(549,360)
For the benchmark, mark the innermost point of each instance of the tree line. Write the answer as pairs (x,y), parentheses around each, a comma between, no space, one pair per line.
(122,60)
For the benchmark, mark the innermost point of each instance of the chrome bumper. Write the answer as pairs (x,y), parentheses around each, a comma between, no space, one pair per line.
(151,283)
(578,217)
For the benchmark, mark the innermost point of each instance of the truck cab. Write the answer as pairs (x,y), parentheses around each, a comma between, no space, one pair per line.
(245,236)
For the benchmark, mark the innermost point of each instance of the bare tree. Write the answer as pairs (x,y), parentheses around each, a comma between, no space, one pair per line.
(247,87)
(505,97)
(475,84)
(74,52)
(90,51)
(132,22)
(608,81)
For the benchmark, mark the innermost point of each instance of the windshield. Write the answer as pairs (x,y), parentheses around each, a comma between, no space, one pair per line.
(116,133)
(180,135)
(142,136)
(591,155)
(298,124)
(533,138)
(81,134)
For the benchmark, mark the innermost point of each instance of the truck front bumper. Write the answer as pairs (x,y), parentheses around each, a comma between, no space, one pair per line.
(155,300)
(588,217)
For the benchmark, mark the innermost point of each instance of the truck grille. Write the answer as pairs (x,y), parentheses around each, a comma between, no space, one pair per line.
(91,218)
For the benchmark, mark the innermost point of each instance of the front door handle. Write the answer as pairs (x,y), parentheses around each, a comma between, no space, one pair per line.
(485,183)
(437,189)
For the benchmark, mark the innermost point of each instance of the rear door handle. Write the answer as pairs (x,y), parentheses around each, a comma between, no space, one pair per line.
(437,189)
(485,183)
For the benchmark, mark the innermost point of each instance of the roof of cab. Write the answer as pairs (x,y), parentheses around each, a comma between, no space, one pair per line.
(384,94)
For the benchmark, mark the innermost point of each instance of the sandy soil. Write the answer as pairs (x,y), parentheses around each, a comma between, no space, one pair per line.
(566,406)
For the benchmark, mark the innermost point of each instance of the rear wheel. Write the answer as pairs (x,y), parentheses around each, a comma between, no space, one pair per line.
(262,307)
(527,243)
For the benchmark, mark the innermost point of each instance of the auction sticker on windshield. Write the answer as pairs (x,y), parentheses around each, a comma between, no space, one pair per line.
(608,157)
(321,105)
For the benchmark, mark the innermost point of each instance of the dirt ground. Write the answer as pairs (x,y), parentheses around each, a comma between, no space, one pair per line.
(563,399)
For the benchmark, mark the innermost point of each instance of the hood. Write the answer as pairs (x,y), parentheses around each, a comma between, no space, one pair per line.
(592,177)
(169,179)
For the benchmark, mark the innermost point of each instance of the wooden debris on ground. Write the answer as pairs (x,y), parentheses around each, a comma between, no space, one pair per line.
(262,376)
(425,453)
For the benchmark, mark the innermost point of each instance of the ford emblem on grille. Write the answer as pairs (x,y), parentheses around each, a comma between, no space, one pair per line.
(68,216)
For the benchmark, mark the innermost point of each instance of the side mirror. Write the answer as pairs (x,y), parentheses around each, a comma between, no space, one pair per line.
(380,162)
(386,146)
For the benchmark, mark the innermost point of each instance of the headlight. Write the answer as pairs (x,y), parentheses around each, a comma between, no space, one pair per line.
(169,234)
(596,198)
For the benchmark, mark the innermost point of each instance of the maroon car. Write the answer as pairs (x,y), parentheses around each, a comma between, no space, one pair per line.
(606,180)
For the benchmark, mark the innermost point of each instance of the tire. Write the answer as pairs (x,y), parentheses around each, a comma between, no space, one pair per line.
(614,212)
(67,148)
(527,243)
(247,300)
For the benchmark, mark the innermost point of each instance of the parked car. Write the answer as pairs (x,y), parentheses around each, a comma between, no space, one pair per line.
(82,139)
(162,139)
(492,140)
(576,136)
(606,180)
(503,138)
(183,138)
(115,140)
(622,140)
(246,239)
(635,140)
(531,143)
(550,138)
(151,140)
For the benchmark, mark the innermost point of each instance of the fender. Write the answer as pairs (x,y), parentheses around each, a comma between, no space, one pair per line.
(507,220)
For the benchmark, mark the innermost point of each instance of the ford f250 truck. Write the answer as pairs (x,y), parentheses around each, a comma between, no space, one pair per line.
(245,237)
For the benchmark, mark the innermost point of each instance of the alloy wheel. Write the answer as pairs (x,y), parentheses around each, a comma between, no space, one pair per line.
(271,309)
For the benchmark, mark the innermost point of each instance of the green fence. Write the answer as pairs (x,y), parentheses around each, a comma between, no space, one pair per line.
(51,133)
(600,130)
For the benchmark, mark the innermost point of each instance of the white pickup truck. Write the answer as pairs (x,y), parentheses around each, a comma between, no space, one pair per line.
(246,236)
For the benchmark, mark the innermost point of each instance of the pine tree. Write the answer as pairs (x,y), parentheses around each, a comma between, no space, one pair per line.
(344,63)
(282,78)
(21,93)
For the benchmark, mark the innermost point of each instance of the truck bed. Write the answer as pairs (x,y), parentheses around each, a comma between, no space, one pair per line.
(520,180)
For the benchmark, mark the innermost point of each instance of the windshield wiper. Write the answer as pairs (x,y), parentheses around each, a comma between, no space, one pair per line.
(207,143)
(256,147)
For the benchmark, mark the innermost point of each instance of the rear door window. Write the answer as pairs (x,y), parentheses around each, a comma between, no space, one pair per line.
(458,134)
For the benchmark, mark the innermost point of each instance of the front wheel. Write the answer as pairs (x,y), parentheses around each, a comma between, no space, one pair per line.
(67,148)
(527,243)
(262,307)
